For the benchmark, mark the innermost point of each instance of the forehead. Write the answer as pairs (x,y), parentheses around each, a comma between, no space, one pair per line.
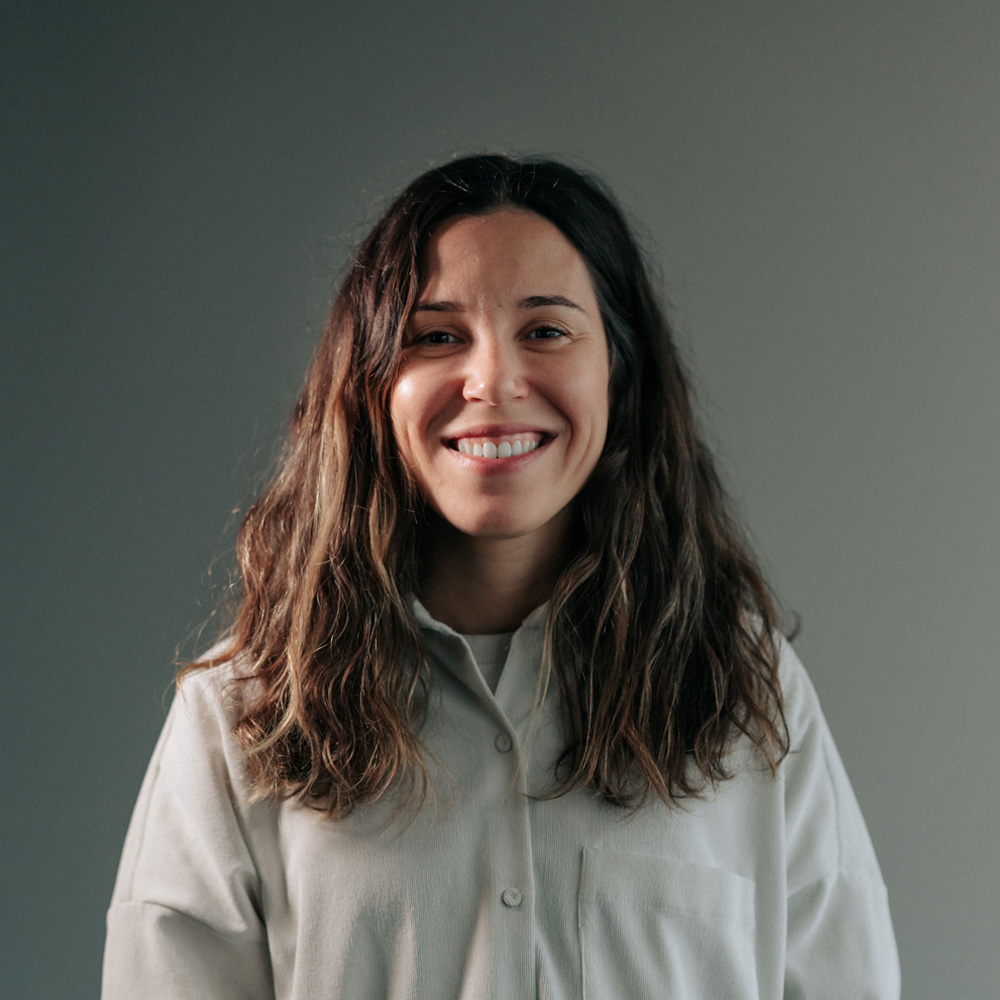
(504,251)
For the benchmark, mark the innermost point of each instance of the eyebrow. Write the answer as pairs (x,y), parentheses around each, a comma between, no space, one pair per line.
(531,302)
(535,301)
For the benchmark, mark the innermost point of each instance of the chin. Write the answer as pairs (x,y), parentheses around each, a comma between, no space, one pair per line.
(506,522)
(485,521)
(496,526)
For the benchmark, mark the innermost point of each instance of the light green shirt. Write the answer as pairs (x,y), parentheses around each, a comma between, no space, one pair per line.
(490,654)
(767,889)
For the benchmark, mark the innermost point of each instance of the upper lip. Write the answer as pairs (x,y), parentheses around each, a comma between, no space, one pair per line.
(496,430)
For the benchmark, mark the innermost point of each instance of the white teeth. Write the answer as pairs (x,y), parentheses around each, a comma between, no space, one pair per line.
(506,448)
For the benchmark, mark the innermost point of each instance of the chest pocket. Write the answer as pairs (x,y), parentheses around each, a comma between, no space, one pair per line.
(652,927)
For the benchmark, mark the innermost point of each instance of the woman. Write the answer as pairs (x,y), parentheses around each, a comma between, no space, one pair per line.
(504,711)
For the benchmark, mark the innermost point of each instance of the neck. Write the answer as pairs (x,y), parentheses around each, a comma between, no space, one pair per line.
(481,586)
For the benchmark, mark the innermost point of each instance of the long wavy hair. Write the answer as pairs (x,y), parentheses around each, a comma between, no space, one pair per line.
(660,631)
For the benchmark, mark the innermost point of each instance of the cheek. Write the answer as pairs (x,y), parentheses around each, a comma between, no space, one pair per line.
(602,391)
(588,395)
(403,410)
(412,408)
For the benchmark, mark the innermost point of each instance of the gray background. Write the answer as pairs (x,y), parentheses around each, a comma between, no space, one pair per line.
(819,182)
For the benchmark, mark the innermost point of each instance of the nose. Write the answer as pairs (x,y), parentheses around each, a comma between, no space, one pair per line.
(495,372)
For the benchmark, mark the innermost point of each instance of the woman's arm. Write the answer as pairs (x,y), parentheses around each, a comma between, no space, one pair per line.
(185,918)
(840,938)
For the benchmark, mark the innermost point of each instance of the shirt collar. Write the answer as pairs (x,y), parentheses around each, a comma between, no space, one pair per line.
(535,620)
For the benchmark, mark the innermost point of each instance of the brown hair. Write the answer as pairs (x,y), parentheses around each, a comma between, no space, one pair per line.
(660,631)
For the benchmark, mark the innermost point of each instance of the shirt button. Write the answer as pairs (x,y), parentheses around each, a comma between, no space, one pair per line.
(511,898)
(503,743)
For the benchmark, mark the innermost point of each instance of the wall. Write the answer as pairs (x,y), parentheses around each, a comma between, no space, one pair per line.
(819,184)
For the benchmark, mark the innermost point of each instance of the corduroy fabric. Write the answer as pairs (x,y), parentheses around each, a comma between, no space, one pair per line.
(769,888)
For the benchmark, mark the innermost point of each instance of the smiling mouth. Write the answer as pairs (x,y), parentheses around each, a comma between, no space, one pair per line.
(505,446)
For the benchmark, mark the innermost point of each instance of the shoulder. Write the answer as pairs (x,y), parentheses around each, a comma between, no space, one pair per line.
(206,697)
(197,745)
(800,702)
(825,828)
(216,687)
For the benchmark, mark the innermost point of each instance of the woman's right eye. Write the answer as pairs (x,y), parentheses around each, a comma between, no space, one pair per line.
(435,338)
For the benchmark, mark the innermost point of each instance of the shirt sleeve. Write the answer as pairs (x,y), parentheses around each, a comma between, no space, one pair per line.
(840,939)
(185,916)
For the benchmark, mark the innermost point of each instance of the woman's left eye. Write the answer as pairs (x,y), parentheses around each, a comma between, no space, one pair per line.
(546,333)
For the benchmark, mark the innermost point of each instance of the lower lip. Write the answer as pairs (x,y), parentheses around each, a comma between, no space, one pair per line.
(485,466)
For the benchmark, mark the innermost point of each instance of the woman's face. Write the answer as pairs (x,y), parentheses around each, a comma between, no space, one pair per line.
(501,405)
